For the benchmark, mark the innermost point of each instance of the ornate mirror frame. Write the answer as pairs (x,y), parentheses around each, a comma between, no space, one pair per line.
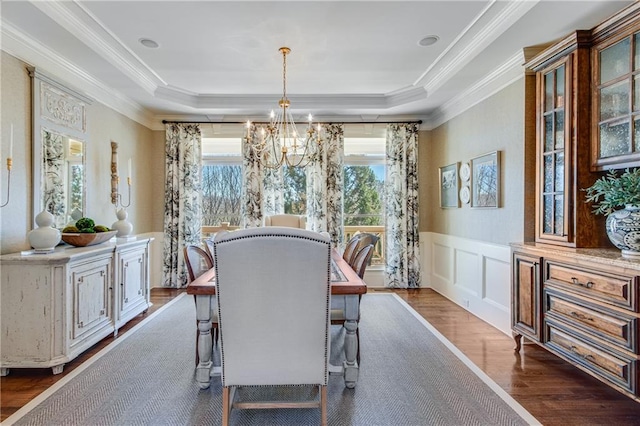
(59,153)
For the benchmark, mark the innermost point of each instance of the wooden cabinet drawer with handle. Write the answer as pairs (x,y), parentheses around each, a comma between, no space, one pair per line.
(610,287)
(609,366)
(614,327)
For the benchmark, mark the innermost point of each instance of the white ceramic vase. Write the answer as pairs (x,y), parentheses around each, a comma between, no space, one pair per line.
(123,226)
(44,237)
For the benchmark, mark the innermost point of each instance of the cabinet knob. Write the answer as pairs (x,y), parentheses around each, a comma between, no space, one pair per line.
(81,324)
(126,300)
(101,311)
(140,291)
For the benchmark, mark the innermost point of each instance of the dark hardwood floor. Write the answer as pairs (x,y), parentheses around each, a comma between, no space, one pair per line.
(555,392)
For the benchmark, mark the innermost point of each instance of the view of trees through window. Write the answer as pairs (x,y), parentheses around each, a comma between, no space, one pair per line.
(221,193)
(363,185)
(363,195)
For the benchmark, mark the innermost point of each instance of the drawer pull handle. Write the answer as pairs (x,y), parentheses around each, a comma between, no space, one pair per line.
(576,281)
(581,316)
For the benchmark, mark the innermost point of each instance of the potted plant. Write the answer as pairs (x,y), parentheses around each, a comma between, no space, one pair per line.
(618,198)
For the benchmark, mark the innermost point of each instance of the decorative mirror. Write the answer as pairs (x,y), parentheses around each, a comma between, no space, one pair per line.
(59,148)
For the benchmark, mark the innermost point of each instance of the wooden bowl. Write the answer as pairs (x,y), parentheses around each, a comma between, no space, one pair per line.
(83,240)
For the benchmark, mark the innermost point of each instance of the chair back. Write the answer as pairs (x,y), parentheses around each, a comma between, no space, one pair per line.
(197,261)
(361,260)
(350,249)
(287,220)
(208,247)
(274,292)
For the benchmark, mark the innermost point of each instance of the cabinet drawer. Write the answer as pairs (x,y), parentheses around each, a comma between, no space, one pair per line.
(612,326)
(610,287)
(604,364)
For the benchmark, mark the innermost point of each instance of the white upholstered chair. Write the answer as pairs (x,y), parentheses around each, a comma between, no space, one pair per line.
(288,220)
(274,292)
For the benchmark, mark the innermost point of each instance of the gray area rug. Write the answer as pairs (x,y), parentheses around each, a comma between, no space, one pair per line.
(407,377)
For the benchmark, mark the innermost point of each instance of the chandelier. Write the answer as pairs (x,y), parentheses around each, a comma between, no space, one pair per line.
(279,143)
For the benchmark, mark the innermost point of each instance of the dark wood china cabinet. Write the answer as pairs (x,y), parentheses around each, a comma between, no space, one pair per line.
(572,292)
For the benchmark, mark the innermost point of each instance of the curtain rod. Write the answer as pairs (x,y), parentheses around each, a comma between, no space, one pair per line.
(315,122)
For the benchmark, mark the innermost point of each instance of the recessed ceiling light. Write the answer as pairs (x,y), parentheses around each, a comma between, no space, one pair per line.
(428,40)
(147,42)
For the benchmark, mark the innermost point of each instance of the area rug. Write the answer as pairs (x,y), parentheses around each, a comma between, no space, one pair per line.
(409,375)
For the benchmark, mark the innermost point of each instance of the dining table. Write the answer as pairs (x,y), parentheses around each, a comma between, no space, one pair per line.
(346,290)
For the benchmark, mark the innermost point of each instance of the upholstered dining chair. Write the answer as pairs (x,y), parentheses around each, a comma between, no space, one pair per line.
(274,316)
(288,220)
(198,261)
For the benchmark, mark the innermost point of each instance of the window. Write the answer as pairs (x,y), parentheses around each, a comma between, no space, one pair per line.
(295,190)
(221,180)
(364,174)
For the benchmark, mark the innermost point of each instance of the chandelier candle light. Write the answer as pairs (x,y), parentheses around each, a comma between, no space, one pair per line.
(279,142)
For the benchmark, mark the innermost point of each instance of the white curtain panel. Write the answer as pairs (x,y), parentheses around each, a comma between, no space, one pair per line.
(325,181)
(402,251)
(182,211)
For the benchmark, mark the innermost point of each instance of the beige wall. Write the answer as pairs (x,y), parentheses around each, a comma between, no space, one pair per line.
(494,124)
(143,146)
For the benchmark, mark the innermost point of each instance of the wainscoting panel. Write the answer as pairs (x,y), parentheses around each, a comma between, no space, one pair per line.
(471,273)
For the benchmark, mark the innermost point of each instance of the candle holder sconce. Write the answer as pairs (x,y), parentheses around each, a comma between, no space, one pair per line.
(116,196)
(9,166)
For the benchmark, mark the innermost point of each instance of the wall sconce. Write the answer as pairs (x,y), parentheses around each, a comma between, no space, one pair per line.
(9,166)
(116,197)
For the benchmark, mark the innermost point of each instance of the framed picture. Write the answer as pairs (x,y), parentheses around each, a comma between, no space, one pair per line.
(449,186)
(485,180)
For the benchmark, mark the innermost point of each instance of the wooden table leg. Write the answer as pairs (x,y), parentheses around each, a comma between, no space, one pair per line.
(205,343)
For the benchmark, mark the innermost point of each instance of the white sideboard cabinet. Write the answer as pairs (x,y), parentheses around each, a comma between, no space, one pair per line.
(55,306)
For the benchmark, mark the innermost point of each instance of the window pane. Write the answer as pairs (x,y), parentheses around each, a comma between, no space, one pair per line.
(614,100)
(559,129)
(560,87)
(221,194)
(295,190)
(614,61)
(363,195)
(548,91)
(614,139)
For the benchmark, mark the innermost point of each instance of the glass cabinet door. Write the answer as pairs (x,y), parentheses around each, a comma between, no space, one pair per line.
(552,160)
(617,97)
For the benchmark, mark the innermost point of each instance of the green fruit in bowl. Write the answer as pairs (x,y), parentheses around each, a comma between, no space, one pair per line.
(70,229)
(85,223)
(101,228)
(87,231)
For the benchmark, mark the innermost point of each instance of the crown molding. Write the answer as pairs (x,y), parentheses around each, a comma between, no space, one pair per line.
(90,31)
(34,54)
(451,62)
(507,73)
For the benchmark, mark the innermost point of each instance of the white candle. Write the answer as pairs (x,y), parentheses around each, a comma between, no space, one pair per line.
(130,168)
(11,143)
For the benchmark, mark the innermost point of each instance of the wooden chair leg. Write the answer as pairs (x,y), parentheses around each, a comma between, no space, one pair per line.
(225,406)
(323,405)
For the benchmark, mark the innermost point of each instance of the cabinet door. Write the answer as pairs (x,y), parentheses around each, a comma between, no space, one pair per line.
(91,301)
(132,277)
(554,85)
(616,109)
(525,309)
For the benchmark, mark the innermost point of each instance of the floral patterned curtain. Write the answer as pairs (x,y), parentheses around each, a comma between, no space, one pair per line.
(325,184)
(402,251)
(262,188)
(182,205)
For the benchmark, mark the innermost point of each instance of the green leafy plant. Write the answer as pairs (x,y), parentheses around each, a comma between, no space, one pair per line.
(612,191)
